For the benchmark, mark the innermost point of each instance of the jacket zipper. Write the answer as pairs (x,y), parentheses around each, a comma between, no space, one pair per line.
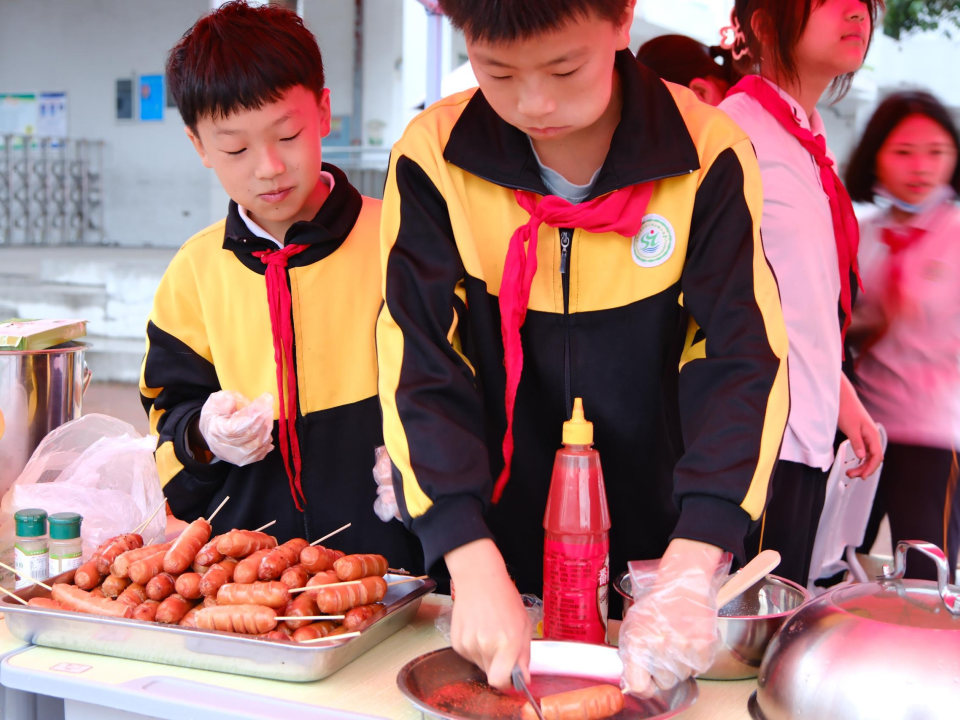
(566,243)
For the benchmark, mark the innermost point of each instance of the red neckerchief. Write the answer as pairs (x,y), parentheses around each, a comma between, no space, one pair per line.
(620,212)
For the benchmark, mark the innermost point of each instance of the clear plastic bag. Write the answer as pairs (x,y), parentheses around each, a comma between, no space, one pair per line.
(385,506)
(97,466)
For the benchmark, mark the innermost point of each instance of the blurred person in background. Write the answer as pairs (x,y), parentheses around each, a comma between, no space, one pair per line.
(906,328)
(684,61)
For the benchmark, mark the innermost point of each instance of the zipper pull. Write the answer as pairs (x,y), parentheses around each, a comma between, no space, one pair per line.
(565,237)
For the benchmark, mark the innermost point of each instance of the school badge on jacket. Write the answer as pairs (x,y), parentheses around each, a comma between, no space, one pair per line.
(655,242)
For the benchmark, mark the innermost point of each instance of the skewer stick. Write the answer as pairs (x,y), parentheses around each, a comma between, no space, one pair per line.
(14,595)
(143,526)
(405,580)
(26,577)
(210,519)
(330,535)
(399,571)
(343,636)
(320,587)
(307,617)
(261,529)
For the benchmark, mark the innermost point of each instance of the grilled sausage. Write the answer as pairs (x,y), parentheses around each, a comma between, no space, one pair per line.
(121,566)
(185,548)
(115,548)
(146,611)
(240,543)
(249,619)
(87,577)
(97,592)
(314,631)
(46,603)
(295,576)
(161,586)
(142,570)
(190,619)
(113,586)
(217,576)
(354,567)
(276,636)
(248,569)
(172,610)
(271,594)
(73,598)
(592,703)
(209,554)
(355,617)
(133,596)
(210,601)
(188,586)
(316,559)
(336,599)
(280,558)
(301,606)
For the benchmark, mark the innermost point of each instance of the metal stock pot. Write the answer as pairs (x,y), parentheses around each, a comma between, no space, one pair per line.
(885,650)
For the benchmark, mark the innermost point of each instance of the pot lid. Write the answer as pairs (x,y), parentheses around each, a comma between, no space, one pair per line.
(909,603)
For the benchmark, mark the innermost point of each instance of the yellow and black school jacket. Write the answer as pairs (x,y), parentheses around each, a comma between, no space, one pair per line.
(674,339)
(209,330)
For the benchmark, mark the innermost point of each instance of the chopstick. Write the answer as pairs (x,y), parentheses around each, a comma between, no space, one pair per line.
(330,535)
(26,577)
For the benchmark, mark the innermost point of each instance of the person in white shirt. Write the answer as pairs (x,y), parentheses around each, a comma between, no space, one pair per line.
(796,50)
(906,327)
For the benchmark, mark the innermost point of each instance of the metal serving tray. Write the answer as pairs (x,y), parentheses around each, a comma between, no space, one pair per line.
(208,649)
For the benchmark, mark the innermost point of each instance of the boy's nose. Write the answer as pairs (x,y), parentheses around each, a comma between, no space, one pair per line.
(270,165)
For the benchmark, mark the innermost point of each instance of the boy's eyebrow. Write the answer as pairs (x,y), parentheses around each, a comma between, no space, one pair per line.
(279,121)
(566,57)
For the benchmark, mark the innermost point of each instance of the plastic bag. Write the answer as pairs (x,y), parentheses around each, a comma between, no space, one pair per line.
(670,632)
(97,466)
(385,506)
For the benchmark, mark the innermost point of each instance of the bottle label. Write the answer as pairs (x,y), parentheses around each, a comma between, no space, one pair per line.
(34,563)
(62,563)
(575,586)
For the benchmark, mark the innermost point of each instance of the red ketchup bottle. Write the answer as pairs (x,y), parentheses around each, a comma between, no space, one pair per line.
(576,555)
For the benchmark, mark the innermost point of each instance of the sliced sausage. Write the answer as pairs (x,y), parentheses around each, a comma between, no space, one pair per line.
(249,619)
(73,598)
(337,599)
(271,594)
(592,703)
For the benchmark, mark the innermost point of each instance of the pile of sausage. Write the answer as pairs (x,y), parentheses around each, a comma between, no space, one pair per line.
(236,582)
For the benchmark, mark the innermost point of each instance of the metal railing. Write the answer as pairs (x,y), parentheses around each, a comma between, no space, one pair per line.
(364,165)
(51,191)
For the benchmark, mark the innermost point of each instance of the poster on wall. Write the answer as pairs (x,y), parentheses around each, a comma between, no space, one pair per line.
(52,115)
(152,98)
(18,114)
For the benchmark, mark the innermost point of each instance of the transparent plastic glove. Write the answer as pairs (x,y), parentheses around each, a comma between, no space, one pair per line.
(236,430)
(671,633)
(385,506)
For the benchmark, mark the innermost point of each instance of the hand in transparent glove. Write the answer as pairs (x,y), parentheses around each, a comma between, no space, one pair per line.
(670,633)
(236,430)
(385,506)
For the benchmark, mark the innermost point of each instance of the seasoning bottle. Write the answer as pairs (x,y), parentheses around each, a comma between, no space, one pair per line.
(66,546)
(576,558)
(30,552)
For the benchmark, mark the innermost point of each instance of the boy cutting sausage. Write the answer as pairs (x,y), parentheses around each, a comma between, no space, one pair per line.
(577,228)
(276,304)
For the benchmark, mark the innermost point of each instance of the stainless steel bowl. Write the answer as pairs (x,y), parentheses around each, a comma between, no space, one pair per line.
(443,685)
(747,624)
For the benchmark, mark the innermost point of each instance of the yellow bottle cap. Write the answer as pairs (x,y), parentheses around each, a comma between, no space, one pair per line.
(576,430)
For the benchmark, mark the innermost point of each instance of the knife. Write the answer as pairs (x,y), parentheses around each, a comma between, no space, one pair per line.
(521,686)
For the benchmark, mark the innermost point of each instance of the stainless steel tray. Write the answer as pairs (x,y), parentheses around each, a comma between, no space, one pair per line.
(207,649)
(443,685)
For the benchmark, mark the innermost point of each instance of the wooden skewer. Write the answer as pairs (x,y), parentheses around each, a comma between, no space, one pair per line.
(330,535)
(26,577)
(343,636)
(397,571)
(143,526)
(261,529)
(309,617)
(210,519)
(14,595)
(405,580)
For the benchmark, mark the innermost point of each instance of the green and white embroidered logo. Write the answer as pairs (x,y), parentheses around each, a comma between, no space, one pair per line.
(655,242)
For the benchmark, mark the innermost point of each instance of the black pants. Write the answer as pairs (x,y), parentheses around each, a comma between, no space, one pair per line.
(789,523)
(917,491)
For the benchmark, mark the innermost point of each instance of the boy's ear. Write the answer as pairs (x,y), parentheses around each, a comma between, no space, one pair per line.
(198,146)
(324,107)
(626,22)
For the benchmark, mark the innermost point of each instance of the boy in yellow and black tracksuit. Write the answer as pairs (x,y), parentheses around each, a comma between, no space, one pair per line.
(674,338)
(219,322)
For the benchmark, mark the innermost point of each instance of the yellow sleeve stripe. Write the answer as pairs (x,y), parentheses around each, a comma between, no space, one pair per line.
(390,351)
(167,464)
(691,350)
(767,295)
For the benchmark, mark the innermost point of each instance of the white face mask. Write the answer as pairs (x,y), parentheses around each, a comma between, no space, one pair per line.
(941,194)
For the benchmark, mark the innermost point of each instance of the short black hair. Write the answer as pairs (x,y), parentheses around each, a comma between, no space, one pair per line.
(680,59)
(241,57)
(786,19)
(862,171)
(496,21)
